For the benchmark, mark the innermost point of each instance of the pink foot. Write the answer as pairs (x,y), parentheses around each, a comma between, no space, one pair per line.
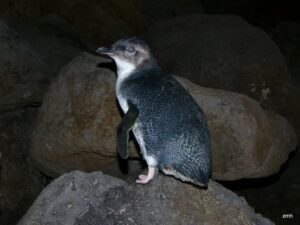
(144,179)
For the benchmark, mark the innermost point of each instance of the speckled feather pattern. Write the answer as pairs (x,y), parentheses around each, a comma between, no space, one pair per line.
(173,127)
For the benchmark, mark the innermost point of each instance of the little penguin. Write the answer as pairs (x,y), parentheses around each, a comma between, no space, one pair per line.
(166,121)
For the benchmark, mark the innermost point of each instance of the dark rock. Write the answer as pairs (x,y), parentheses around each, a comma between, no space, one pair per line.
(287,36)
(79,116)
(158,10)
(90,199)
(54,40)
(24,77)
(276,195)
(21,10)
(20,182)
(103,22)
(226,52)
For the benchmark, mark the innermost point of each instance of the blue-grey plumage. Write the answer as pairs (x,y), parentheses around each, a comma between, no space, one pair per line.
(170,128)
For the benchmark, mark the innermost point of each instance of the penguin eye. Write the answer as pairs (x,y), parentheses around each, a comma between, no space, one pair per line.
(131,50)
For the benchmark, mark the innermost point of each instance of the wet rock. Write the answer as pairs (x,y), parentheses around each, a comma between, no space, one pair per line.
(79,116)
(80,198)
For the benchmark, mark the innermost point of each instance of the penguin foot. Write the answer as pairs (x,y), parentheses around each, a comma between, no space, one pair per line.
(144,179)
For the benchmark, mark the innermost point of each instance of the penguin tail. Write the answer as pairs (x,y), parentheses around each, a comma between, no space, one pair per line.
(179,174)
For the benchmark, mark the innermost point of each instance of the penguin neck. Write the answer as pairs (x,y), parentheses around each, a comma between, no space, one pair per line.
(126,69)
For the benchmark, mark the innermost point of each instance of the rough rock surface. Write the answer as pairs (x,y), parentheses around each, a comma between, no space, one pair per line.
(79,116)
(223,51)
(90,199)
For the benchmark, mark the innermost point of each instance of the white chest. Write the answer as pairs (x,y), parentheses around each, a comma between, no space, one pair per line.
(121,98)
(124,70)
(123,102)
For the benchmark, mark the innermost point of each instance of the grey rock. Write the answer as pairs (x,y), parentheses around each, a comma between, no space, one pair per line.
(79,198)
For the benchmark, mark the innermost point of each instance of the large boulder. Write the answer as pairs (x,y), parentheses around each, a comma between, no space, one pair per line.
(80,198)
(78,120)
(223,51)
(247,141)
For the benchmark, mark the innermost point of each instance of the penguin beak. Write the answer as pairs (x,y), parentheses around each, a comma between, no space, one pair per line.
(105,51)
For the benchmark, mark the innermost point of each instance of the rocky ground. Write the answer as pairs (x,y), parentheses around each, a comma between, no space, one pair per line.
(80,198)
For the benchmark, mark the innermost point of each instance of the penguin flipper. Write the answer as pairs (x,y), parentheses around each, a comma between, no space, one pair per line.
(123,130)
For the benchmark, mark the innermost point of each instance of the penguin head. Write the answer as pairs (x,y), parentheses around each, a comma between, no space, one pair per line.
(130,54)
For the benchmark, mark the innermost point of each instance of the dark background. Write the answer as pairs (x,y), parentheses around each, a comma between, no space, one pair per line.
(93,23)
